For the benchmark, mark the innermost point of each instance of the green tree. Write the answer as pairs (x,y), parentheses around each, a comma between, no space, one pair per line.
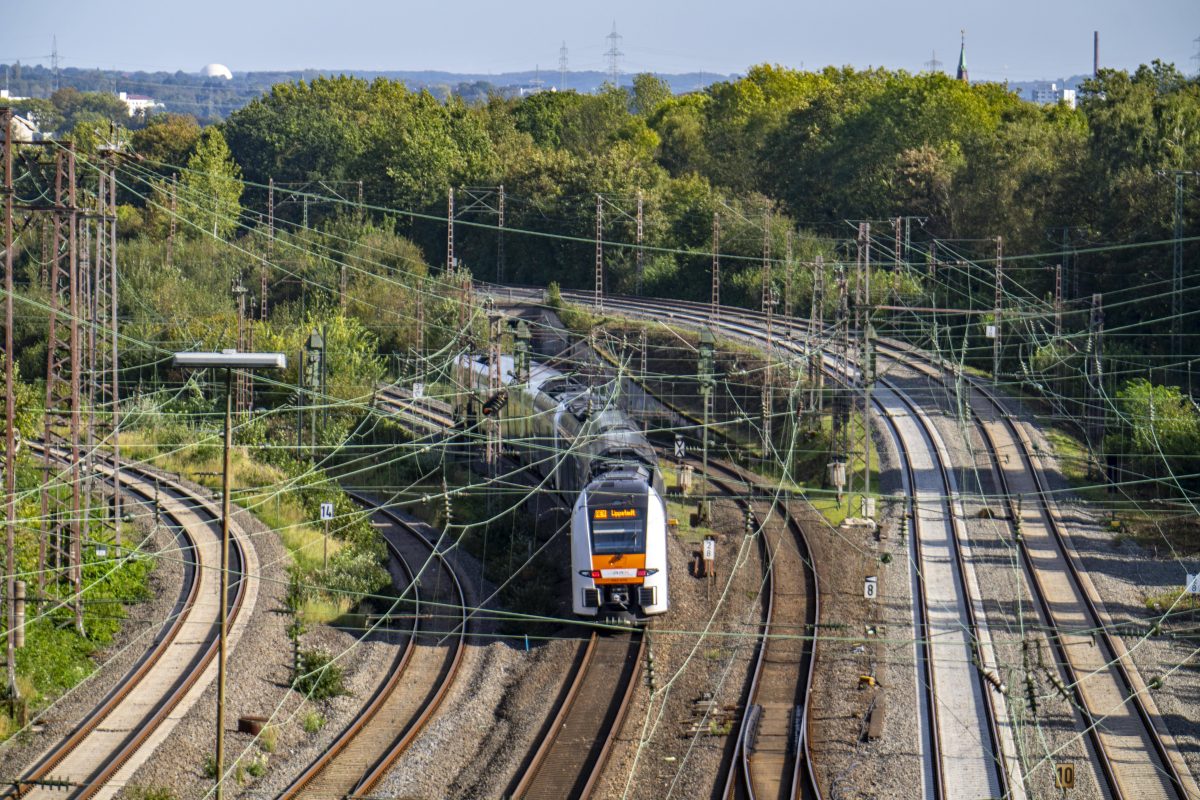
(1160,429)
(679,122)
(648,93)
(167,141)
(543,115)
(74,107)
(210,191)
(41,112)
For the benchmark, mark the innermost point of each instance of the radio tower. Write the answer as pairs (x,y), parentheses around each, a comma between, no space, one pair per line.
(562,66)
(613,53)
(54,60)
(933,65)
(1196,57)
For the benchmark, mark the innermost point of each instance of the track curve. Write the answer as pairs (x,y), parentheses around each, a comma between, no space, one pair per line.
(128,724)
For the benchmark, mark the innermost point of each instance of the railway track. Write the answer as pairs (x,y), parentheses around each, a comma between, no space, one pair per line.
(121,733)
(575,745)
(771,757)
(424,414)
(1135,755)
(969,751)
(572,754)
(420,675)
(966,724)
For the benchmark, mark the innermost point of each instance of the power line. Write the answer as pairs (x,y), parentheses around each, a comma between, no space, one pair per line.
(562,66)
(613,54)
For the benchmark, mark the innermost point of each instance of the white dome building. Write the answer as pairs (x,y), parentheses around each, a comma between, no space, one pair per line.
(216,71)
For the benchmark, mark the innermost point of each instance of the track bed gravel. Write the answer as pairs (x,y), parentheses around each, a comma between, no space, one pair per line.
(1044,730)
(1125,576)
(257,681)
(656,754)
(847,763)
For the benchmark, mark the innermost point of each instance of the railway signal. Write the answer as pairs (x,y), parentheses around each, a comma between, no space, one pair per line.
(495,403)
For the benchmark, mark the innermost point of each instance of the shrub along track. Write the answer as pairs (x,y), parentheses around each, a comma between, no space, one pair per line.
(130,722)
(420,675)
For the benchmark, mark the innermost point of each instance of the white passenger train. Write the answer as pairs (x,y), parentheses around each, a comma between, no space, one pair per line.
(594,455)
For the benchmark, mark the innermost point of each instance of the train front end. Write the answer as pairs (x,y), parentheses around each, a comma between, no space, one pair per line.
(619,548)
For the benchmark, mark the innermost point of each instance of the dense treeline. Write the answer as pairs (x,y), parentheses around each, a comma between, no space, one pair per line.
(972,162)
(1092,188)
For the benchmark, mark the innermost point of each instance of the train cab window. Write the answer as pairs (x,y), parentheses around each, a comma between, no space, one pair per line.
(618,536)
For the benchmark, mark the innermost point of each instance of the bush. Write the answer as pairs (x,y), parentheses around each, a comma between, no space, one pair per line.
(317,677)
(269,738)
(313,722)
(353,572)
(554,296)
(152,793)
(257,767)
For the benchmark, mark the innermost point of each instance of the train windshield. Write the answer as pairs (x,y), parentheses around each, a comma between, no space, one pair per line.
(618,535)
(617,513)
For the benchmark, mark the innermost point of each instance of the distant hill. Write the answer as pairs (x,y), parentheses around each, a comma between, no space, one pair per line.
(216,98)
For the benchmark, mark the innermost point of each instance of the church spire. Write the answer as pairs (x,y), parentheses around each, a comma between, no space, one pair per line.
(962,59)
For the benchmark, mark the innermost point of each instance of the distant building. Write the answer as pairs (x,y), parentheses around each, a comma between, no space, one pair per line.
(138,104)
(532,88)
(1052,95)
(4,95)
(24,130)
(216,71)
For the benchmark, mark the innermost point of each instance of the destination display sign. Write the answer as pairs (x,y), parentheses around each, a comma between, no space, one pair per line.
(615,513)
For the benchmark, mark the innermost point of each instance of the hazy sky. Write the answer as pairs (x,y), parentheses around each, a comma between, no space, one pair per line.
(1018,39)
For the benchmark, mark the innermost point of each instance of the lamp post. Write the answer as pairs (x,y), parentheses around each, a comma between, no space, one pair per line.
(228,360)
(705,367)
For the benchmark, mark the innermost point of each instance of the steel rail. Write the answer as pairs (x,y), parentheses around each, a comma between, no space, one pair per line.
(459,635)
(801,781)
(377,700)
(1114,655)
(162,706)
(968,607)
(570,758)
(905,354)
(924,627)
(698,314)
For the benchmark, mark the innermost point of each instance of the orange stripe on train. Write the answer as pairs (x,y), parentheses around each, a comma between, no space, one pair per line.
(621,568)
